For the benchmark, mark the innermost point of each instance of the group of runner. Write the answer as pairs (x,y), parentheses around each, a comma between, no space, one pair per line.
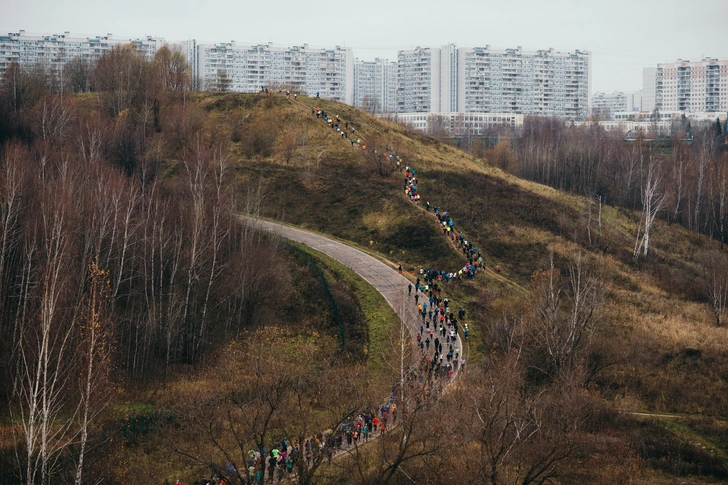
(447,225)
(437,339)
(347,132)
(283,457)
(434,310)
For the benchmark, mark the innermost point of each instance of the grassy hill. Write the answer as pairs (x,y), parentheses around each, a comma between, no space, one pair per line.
(663,352)
(643,394)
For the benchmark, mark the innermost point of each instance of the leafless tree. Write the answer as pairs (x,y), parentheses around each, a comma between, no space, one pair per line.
(376,158)
(679,162)
(653,201)
(511,430)
(119,76)
(371,105)
(171,67)
(716,284)
(78,75)
(94,359)
(566,311)
(26,85)
(218,226)
(44,368)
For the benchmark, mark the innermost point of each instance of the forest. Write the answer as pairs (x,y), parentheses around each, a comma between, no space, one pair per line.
(682,176)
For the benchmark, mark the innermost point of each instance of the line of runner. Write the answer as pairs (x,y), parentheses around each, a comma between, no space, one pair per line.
(438,339)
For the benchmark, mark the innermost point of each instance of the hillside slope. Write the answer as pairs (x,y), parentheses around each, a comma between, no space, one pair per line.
(617,366)
(656,336)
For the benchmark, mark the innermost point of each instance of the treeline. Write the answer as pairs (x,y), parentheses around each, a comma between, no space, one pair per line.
(109,272)
(122,77)
(686,180)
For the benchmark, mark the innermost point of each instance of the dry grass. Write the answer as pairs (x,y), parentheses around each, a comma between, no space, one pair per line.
(667,351)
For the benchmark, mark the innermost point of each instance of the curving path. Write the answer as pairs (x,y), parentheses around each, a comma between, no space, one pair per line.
(385,279)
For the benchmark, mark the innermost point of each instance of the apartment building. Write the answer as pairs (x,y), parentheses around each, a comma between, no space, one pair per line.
(457,124)
(427,80)
(485,80)
(418,80)
(443,79)
(326,72)
(687,86)
(541,83)
(375,85)
(606,105)
(55,50)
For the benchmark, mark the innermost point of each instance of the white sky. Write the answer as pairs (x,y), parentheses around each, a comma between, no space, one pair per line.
(623,35)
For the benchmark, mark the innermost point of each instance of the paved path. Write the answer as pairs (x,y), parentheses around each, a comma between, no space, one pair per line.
(385,279)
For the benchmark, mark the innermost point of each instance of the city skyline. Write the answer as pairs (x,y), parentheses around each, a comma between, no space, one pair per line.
(624,37)
(423,80)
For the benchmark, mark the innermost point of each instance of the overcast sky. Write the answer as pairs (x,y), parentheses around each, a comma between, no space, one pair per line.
(624,36)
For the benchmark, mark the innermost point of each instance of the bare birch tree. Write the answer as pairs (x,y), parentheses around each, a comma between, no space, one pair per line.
(44,367)
(566,311)
(716,284)
(653,201)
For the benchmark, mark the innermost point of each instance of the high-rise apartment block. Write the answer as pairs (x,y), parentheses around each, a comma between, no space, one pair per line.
(375,85)
(418,81)
(326,72)
(445,79)
(55,50)
(484,80)
(541,83)
(605,106)
(427,80)
(449,79)
(694,87)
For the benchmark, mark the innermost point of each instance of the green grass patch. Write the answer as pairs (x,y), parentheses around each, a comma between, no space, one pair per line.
(380,317)
(694,431)
(134,408)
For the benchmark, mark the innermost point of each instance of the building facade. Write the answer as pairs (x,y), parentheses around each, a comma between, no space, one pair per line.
(328,73)
(606,105)
(540,83)
(228,66)
(418,80)
(485,80)
(686,86)
(375,86)
(445,79)
(56,50)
